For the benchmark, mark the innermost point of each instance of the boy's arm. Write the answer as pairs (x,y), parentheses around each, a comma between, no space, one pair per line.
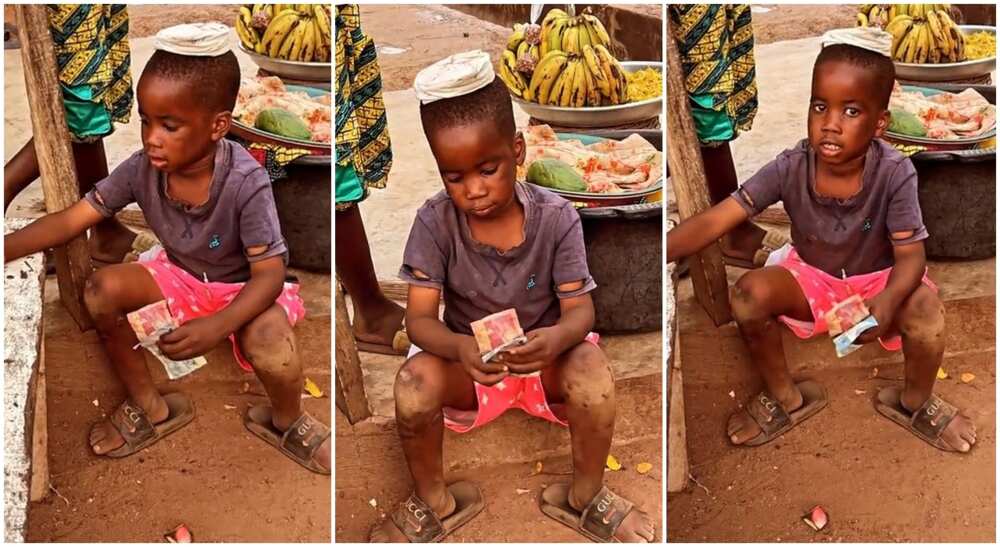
(198,336)
(544,345)
(431,335)
(907,274)
(50,230)
(697,232)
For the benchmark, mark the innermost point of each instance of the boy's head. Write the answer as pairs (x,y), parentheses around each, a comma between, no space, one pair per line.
(476,145)
(851,86)
(186,104)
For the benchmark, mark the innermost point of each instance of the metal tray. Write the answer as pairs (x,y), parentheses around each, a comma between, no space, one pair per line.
(253,134)
(943,72)
(313,72)
(589,199)
(599,116)
(949,142)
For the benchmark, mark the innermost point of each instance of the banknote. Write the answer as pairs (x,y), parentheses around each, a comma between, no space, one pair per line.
(497,333)
(150,323)
(844,314)
(844,343)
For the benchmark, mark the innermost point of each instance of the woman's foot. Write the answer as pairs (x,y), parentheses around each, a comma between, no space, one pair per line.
(110,241)
(743,242)
(379,322)
(388,532)
(104,436)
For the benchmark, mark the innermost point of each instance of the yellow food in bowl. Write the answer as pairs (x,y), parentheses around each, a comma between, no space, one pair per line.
(980,45)
(644,84)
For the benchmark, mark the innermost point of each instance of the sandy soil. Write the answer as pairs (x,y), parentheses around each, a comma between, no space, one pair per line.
(787,22)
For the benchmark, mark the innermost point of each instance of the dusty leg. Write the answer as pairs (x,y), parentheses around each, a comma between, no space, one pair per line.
(582,379)
(376,318)
(110,294)
(269,343)
(921,321)
(759,297)
(425,385)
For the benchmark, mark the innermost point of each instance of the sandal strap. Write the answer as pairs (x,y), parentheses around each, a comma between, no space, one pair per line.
(768,413)
(605,513)
(935,415)
(304,437)
(132,423)
(417,521)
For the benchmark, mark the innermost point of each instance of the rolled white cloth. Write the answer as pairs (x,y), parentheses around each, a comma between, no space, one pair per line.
(196,39)
(869,38)
(454,76)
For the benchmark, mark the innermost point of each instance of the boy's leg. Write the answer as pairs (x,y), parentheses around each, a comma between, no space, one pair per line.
(269,343)
(376,318)
(425,385)
(111,293)
(920,320)
(759,297)
(110,240)
(581,378)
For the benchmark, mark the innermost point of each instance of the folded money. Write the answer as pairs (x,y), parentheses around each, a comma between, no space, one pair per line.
(150,323)
(498,332)
(846,313)
(844,343)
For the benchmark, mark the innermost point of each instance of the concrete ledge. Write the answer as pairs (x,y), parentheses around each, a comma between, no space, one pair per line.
(23,286)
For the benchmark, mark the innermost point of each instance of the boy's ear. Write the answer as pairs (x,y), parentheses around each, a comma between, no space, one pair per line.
(520,148)
(882,123)
(221,124)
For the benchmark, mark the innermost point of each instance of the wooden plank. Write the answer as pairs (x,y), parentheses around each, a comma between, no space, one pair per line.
(395,289)
(40,432)
(677,456)
(53,149)
(687,174)
(350,382)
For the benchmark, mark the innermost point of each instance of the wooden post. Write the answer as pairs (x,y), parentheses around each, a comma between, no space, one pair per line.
(351,397)
(687,173)
(53,149)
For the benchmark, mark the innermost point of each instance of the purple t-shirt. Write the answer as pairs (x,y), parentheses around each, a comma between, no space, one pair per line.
(209,240)
(478,280)
(841,237)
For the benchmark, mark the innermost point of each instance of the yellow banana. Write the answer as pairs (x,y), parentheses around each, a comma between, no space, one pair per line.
(570,41)
(594,67)
(279,28)
(293,39)
(554,92)
(243,32)
(516,37)
(246,15)
(934,24)
(593,94)
(546,72)
(507,57)
(522,49)
(312,41)
(566,92)
(580,84)
(297,52)
(323,22)
(583,36)
(554,13)
(606,59)
(862,20)
(504,73)
(533,51)
(598,27)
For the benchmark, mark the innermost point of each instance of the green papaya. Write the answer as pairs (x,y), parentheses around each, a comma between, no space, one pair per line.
(556,174)
(902,122)
(282,122)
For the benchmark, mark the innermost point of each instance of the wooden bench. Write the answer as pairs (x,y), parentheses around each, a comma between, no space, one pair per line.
(26,476)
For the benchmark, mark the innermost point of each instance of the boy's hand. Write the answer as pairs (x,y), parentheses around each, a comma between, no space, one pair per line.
(538,352)
(194,338)
(884,310)
(484,373)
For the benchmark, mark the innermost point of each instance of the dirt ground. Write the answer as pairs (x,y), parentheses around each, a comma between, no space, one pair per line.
(790,22)
(213,475)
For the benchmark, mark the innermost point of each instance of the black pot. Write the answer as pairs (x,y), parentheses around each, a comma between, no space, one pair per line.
(304,202)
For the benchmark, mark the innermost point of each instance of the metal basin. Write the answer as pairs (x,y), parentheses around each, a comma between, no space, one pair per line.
(295,70)
(945,72)
(304,203)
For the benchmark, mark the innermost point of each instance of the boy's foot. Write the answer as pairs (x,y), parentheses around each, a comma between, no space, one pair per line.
(306,441)
(129,428)
(414,521)
(936,421)
(765,418)
(382,331)
(606,518)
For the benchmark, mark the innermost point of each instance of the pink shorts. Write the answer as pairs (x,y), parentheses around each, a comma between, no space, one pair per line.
(190,298)
(824,290)
(524,392)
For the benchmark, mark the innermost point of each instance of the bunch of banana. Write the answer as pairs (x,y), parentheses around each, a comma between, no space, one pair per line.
(880,15)
(296,32)
(563,32)
(591,78)
(922,35)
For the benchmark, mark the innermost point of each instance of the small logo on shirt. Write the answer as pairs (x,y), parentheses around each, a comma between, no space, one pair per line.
(867,226)
(215,242)
(531,282)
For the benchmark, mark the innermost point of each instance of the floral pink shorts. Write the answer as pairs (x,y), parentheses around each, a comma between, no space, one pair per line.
(524,392)
(824,290)
(190,298)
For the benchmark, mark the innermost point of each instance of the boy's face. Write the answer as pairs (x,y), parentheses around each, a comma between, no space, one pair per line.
(177,131)
(478,165)
(844,114)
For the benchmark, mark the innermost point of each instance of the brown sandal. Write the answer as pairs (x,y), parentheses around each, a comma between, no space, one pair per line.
(300,442)
(774,420)
(419,524)
(134,426)
(928,422)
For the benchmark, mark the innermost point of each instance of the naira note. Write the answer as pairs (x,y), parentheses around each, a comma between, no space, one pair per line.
(150,323)
(844,343)
(845,314)
(498,333)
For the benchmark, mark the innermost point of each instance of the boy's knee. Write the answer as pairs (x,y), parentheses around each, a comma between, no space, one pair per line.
(418,388)
(587,377)
(922,315)
(268,342)
(750,300)
(101,297)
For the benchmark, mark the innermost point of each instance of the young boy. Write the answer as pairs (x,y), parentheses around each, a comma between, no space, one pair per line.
(222,266)
(857,229)
(488,243)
